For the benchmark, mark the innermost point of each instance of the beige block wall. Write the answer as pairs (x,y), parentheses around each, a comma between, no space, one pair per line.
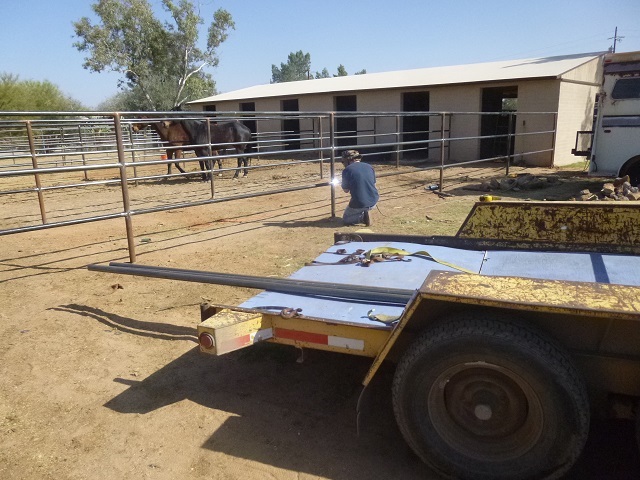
(540,96)
(459,98)
(575,112)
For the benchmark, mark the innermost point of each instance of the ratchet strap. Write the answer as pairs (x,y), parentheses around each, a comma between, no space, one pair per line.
(398,252)
(384,254)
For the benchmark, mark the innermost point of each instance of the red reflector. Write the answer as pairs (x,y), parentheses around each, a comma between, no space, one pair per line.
(206,340)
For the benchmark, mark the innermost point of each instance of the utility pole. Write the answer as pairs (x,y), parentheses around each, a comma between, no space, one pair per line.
(615,39)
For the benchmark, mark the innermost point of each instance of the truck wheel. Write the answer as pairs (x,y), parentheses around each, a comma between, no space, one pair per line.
(632,168)
(481,398)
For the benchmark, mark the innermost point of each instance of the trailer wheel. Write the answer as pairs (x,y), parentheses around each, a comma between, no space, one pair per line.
(486,399)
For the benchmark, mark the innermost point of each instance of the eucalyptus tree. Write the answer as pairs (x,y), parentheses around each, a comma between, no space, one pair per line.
(161,61)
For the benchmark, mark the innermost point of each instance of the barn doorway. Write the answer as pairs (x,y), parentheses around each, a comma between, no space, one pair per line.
(248,122)
(346,127)
(291,125)
(415,128)
(503,100)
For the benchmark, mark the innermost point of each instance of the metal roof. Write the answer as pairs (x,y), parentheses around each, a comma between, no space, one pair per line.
(542,67)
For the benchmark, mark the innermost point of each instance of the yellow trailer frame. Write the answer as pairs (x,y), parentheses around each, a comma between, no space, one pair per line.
(589,331)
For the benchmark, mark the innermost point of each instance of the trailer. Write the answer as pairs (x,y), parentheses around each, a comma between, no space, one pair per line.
(507,337)
(613,144)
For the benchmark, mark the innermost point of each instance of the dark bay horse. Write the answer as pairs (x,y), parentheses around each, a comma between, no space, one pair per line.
(173,134)
(223,135)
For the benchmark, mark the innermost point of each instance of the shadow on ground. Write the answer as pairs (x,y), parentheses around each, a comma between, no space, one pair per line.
(302,417)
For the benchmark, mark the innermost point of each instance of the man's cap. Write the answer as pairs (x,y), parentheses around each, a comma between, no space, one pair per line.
(351,155)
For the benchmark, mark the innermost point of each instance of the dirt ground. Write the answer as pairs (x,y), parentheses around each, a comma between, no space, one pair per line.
(101,377)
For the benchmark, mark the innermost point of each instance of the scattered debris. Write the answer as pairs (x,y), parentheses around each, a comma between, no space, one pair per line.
(618,190)
(443,194)
(525,181)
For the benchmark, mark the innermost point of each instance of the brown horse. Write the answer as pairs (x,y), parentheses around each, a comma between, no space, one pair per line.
(221,135)
(173,134)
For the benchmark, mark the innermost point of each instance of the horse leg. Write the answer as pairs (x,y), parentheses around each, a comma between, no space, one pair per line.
(205,165)
(242,161)
(177,154)
(219,161)
(171,155)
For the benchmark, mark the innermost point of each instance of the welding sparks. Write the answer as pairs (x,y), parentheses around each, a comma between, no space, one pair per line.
(335,181)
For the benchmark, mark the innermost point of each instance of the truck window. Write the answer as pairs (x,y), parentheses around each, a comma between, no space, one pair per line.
(626,88)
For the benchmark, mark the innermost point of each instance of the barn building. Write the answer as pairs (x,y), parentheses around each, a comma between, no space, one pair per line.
(564,87)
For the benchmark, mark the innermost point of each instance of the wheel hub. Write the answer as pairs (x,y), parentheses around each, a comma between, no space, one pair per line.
(485,410)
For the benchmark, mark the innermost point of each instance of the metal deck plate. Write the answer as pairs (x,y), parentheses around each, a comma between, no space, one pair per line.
(586,267)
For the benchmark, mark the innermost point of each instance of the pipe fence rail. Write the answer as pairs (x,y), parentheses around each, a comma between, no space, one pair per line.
(46,154)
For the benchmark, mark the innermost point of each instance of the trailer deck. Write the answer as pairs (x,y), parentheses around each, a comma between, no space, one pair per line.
(413,270)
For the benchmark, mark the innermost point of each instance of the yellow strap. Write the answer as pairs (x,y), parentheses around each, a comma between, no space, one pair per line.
(399,251)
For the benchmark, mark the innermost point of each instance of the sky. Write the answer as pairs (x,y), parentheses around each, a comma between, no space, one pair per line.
(379,36)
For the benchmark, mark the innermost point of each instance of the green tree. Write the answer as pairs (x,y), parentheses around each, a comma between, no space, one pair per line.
(161,64)
(323,74)
(34,96)
(342,72)
(298,67)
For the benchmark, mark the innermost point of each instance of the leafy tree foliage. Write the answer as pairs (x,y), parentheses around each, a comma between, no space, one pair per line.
(298,67)
(342,72)
(34,96)
(161,64)
(323,74)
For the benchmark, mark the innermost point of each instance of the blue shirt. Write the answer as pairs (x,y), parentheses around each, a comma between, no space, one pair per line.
(360,179)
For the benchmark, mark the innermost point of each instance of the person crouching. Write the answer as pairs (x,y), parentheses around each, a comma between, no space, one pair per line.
(359,180)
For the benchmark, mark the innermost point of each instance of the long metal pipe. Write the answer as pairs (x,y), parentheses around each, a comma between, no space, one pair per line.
(283,285)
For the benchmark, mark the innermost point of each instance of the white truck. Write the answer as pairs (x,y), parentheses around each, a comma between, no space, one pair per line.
(614,146)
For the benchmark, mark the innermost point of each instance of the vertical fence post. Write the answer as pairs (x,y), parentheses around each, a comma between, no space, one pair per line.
(332,144)
(133,155)
(34,162)
(84,156)
(320,145)
(125,187)
(509,142)
(397,141)
(443,119)
(553,138)
(210,161)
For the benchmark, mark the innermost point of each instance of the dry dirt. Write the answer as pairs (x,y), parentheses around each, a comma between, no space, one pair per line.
(101,377)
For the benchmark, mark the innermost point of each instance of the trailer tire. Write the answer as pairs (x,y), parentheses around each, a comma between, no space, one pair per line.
(481,398)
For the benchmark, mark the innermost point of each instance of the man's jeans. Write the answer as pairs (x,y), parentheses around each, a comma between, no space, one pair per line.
(353,216)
